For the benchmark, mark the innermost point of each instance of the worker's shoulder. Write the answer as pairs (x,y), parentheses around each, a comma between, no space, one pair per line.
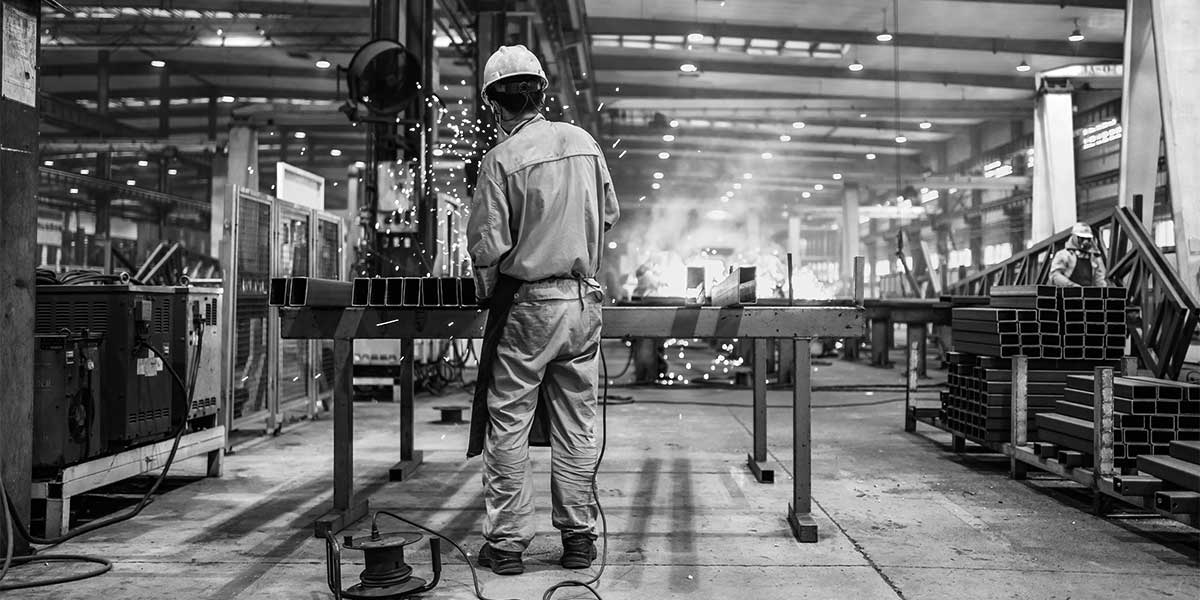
(541,142)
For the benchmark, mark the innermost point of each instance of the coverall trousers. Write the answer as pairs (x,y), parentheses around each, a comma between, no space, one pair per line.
(552,343)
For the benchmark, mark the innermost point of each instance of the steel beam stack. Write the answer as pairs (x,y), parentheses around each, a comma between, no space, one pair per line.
(1149,414)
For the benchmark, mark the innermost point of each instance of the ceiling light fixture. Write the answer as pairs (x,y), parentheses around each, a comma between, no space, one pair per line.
(84,172)
(1076,34)
(673,124)
(158,64)
(130,182)
(668,137)
(74,190)
(338,151)
(819,187)
(688,68)
(798,125)
(870,156)
(747,175)
(658,175)
(1023,67)
(143,163)
(299,135)
(925,125)
(901,139)
(695,37)
(884,34)
(172,171)
(323,63)
(856,66)
(227,99)
(837,176)
(767,156)
(862,115)
(48,163)
(806,195)
(736,186)
(785,138)
(656,186)
(664,155)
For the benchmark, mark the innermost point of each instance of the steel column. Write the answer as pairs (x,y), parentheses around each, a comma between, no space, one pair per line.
(1176,48)
(18,244)
(403,393)
(1141,113)
(851,237)
(759,386)
(799,517)
(1053,203)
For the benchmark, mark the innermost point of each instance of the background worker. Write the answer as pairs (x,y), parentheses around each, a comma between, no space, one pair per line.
(542,204)
(1079,264)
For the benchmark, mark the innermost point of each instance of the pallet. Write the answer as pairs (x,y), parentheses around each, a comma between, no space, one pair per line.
(84,477)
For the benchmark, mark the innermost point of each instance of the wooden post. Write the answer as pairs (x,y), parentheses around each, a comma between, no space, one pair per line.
(1019,416)
(18,245)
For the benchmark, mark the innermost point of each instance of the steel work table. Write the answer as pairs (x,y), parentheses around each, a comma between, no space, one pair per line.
(798,323)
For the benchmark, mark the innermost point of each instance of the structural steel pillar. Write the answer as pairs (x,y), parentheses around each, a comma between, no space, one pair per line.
(1176,48)
(18,245)
(851,238)
(1141,114)
(1053,203)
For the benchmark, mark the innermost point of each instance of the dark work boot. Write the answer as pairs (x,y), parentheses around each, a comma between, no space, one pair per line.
(578,551)
(499,561)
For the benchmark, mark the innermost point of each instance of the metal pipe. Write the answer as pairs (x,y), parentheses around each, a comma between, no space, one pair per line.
(311,291)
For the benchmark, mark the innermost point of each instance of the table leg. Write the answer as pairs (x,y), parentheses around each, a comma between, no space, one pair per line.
(880,345)
(912,360)
(800,509)
(410,459)
(758,456)
(921,332)
(346,507)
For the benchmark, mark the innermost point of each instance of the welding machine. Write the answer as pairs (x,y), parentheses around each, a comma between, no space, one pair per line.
(66,386)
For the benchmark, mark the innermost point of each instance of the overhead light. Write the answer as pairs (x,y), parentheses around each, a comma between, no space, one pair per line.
(856,66)
(656,186)
(695,37)
(900,139)
(442,41)
(172,171)
(220,31)
(884,35)
(227,99)
(48,163)
(338,151)
(953,190)
(74,190)
(819,187)
(837,176)
(767,156)
(299,135)
(658,175)
(1076,34)
(1023,67)
(436,152)
(323,63)
(664,155)
(925,125)
(612,245)
(785,138)
(130,182)
(747,175)
(870,156)
(806,194)
(358,164)
(673,123)
(158,64)
(143,163)
(85,171)
(668,137)
(688,68)
(736,186)
(797,124)
(862,115)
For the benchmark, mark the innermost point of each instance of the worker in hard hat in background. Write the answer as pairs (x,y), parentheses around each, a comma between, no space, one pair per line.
(1079,263)
(542,204)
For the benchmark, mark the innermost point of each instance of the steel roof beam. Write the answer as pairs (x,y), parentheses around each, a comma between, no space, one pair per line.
(784,68)
(616,26)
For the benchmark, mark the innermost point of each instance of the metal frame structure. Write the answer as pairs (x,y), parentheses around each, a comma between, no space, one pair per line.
(797,323)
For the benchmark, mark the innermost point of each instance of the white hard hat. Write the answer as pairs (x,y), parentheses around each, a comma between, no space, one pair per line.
(510,61)
(1082,230)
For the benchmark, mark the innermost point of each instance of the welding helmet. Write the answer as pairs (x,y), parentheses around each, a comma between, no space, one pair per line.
(1082,230)
(511,61)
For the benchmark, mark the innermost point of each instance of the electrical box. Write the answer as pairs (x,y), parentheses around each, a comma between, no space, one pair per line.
(66,388)
(137,393)
(196,331)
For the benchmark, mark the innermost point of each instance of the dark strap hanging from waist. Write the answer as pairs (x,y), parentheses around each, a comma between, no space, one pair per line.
(1082,273)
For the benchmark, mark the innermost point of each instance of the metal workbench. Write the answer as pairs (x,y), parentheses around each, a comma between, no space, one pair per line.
(798,323)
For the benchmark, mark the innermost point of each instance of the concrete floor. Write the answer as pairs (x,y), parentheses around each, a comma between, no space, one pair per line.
(900,515)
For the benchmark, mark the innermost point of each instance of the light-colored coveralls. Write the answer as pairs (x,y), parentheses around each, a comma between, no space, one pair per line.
(543,201)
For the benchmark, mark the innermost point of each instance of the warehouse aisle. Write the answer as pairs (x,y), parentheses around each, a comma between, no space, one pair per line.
(900,515)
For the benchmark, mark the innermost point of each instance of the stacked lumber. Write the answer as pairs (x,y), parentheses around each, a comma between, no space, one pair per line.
(1148,415)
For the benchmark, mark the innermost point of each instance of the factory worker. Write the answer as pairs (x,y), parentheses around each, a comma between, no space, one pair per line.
(1079,263)
(542,204)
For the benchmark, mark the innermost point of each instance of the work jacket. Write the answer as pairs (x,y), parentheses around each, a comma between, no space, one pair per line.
(542,197)
(1063,265)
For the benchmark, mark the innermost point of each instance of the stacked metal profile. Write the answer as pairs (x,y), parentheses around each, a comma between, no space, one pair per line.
(1148,414)
(1092,322)
(414,292)
(1175,478)
(978,403)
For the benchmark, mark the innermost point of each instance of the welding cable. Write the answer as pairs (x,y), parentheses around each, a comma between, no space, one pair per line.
(595,495)
(728,405)
(148,497)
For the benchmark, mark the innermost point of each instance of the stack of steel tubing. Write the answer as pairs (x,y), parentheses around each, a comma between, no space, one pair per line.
(992,331)
(1148,414)
(415,292)
(1093,322)
(1175,477)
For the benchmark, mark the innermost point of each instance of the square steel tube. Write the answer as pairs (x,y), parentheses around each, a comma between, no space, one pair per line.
(431,291)
(361,294)
(278,293)
(466,289)
(377,293)
(412,291)
(395,291)
(312,291)
(448,287)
